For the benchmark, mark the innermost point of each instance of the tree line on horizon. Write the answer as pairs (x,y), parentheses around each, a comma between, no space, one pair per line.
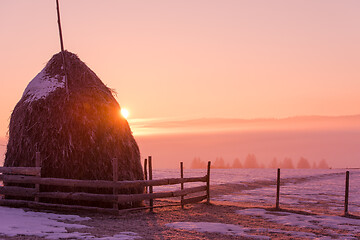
(251,162)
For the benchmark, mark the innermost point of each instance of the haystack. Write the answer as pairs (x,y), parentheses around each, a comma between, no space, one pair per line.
(77,133)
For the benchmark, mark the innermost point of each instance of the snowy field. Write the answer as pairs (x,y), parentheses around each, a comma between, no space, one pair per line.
(300,188)
(303,190)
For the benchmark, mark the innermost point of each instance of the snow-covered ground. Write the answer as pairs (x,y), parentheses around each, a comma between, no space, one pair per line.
(16,221)
(320,222)
(299,189)
(323,222)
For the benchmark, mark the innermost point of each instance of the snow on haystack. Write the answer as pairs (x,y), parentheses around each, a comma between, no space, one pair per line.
(42,85)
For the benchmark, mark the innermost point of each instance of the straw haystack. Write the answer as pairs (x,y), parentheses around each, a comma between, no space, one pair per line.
(79,133)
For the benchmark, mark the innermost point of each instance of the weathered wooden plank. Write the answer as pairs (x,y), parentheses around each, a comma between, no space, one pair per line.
(188,191)
(182,184)
(32,192)
(208,182)
(151,202)
(33,171)
(277,206)
(145,173)
(123,198)
(96,183)
(193,200)
(18,191)
(140,197)
(82,196)
(346,203)
(147,207)
(173,181)
(40,205)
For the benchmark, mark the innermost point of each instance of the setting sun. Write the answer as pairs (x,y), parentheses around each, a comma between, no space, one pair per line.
(124,112)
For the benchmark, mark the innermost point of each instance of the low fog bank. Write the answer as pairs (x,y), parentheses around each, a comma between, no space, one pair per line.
(339,148)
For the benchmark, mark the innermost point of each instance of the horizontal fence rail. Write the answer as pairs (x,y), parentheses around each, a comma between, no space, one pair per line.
(32,176)
(33,171)
(120,198)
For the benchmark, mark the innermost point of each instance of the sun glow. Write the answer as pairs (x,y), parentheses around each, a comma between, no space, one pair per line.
(125,113)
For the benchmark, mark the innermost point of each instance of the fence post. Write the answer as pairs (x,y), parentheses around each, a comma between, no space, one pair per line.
(145,174)
(115,179)
(278,190)
(346,206)
(37,164)
(182,184)
(208,182)
(150,187)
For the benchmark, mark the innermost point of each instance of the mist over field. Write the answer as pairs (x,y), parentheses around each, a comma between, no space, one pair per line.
(334,139)
(339,148)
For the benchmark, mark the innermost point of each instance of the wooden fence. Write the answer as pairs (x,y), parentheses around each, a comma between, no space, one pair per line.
(32,176)
(346,198)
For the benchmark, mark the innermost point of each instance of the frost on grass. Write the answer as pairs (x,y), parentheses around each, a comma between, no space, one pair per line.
(42,85)
(16,221)
(211,227)
(322,222)
(301,190)
(236,230)
(121,236)
(328,226)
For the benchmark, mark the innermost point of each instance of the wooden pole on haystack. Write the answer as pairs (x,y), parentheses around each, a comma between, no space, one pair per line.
(62,47)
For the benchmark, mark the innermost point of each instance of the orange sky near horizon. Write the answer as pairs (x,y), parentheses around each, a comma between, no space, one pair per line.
(194,59)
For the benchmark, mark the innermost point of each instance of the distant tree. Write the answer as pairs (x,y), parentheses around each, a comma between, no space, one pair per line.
(237,163)
(303,163)
(323,164)
(274,163)
(219,163)
(287,163)
(197,163)
(251,162)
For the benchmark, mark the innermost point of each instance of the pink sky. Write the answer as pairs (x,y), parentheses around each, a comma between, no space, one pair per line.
(194,59)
